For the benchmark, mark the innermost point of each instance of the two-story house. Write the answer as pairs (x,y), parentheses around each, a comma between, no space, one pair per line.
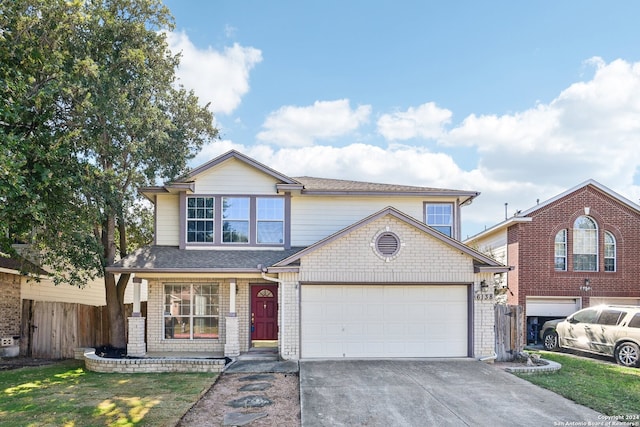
(247,256)
(577,249)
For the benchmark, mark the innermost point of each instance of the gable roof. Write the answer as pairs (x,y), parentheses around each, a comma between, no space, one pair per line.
(523,216)
(186,182)
(482,261)
(233,154)
(308,185)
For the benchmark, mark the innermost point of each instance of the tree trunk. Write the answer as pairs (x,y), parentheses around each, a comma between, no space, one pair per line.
(114,292)
(115,310)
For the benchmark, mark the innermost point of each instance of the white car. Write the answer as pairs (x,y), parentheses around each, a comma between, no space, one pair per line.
(610,330)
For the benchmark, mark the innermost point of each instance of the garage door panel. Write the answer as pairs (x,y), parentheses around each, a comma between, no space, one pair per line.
(384,321)
(552,307)
(395,310)
(415,329)
(614,301)
(416,312)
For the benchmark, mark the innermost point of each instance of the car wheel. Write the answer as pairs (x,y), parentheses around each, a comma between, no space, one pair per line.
(550,340)
(628,354)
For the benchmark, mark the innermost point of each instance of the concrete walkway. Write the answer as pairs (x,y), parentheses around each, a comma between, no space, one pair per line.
(461,392)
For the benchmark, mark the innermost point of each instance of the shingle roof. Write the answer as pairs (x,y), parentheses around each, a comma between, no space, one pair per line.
(169,259)
(21,265)
(312,184)
(523,216)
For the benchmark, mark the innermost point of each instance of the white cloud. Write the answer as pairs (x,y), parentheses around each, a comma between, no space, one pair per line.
(397,165)
(590,130)
(221,78)
(292,126)
(426,121)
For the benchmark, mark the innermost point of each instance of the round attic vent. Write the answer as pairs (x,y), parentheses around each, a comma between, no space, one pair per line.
(387,244)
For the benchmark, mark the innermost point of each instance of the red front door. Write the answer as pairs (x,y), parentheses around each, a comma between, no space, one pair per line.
(264,312)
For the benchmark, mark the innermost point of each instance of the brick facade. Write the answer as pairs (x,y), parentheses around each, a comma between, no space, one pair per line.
(421,260)
(531,250)
(10,305)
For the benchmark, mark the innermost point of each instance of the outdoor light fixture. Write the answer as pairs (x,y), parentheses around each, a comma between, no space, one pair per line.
(484,285)
(587,285)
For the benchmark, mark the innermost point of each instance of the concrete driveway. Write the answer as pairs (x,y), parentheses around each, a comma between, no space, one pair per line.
(461,392)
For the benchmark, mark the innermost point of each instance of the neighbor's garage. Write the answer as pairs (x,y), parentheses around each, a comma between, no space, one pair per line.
(358,321)
(552,307)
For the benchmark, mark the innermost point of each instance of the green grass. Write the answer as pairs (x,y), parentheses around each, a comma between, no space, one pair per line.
(66,394)
(610,389)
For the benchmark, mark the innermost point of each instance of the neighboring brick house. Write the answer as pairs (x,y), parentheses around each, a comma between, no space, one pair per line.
(246,256)
(12,283)
(577,249)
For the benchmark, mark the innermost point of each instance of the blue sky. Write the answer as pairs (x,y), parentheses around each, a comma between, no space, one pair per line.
(518,100)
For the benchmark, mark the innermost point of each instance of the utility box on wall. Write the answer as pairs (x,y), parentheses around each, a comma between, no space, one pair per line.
(9,347)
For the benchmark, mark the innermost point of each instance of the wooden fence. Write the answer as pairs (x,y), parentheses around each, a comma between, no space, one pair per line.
(54,329)
(510,335)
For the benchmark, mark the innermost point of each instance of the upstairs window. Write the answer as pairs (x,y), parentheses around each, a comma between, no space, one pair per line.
(609,252)
(235,219)
(200,219)
(440,217)
(561,251)
(270,220)
(585,244)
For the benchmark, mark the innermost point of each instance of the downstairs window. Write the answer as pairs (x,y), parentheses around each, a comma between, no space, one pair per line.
(191,311)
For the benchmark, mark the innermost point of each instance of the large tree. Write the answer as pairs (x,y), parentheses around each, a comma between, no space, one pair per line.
(91,111)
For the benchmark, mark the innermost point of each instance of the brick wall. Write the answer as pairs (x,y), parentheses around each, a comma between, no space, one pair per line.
(290,316)
(533,244)
(352,258)
(10,305)
(422,259)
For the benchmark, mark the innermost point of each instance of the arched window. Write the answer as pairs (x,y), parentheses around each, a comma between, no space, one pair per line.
(585,244)
(609,252)
(561,251)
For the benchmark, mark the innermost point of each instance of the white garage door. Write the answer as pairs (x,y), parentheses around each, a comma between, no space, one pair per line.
(384,321)
(552,307)
(614,301)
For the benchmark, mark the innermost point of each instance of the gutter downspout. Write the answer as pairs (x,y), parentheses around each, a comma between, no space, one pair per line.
(263,271)
(486,358)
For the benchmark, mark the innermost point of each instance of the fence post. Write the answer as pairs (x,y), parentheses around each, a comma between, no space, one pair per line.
(509,328)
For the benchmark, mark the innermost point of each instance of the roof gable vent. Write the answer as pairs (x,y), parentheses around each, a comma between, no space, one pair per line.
(387,244)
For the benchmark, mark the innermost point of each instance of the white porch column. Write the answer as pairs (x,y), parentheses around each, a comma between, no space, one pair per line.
(232,338)
(136,296)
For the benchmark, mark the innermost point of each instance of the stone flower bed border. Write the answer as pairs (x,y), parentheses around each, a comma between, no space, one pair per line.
(544,366)
(96,363)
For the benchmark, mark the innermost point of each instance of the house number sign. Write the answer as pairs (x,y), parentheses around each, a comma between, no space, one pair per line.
(484,297)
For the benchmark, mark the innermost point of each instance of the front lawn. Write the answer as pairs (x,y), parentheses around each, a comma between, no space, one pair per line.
(610,389)
(66,394)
